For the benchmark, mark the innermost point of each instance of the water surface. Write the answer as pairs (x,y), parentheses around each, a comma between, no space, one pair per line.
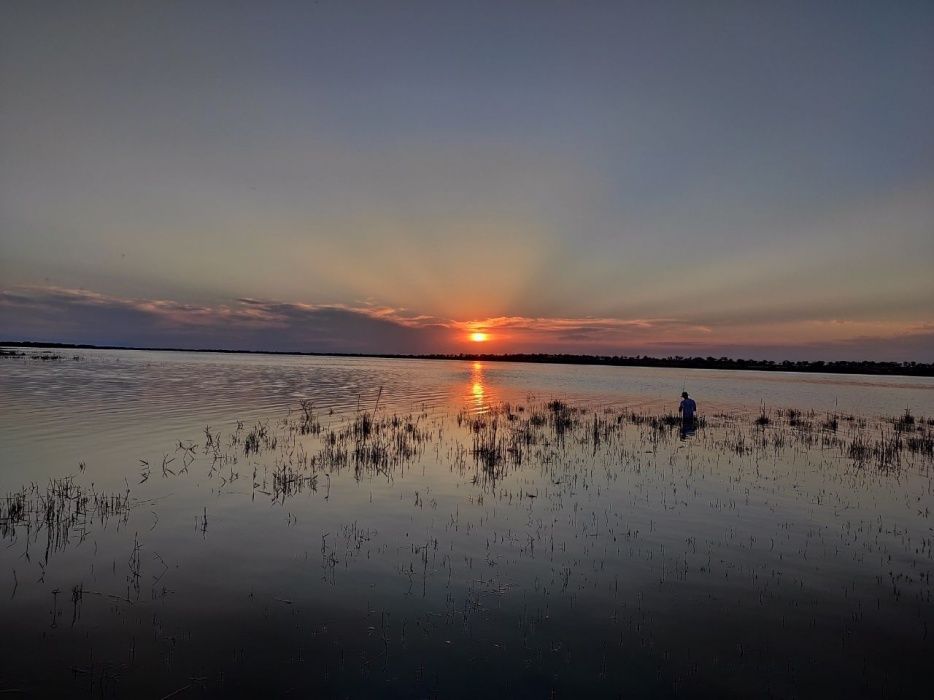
(589,550)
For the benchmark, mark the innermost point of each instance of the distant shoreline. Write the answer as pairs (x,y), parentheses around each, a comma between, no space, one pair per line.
(906,369)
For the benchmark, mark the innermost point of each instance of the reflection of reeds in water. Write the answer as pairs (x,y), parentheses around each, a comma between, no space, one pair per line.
(501,436)
(309,423)
(906,434)
(62,509)
(568,487)
(305,451)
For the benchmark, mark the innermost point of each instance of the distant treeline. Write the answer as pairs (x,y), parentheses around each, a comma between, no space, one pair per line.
(916,369)
(913,369)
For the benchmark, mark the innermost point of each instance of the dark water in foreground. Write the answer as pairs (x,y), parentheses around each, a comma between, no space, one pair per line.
(407,535)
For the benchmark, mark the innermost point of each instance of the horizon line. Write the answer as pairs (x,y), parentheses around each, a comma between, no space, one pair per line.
(908,368)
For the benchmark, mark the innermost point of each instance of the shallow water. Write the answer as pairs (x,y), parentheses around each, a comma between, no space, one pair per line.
(589,551)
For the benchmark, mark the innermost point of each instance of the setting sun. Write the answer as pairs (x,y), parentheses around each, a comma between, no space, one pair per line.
(479,337)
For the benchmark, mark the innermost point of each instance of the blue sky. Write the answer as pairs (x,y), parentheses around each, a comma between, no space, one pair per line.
(739,178)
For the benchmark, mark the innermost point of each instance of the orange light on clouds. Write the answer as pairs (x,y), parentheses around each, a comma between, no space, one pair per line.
(479,337)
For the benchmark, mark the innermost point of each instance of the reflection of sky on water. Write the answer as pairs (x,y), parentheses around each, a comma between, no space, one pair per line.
(581,553)
(119,401)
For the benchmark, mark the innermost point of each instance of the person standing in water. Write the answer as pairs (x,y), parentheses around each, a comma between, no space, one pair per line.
(687,409)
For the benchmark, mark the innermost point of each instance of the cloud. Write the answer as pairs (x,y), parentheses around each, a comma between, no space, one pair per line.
(81,316)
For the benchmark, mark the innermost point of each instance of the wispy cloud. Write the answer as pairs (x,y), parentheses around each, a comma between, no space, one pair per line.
(245,324)
(83,316)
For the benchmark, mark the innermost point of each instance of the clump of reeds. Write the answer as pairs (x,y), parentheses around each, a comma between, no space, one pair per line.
(309,423)
(885,452)
(904,422)
(487,449)
(503,435)
(666,420)
(287,481)
(830,423)
(48,356)
(259,436)
(921,443)
(62,509)
(363,426)
(737,443)
(561,416)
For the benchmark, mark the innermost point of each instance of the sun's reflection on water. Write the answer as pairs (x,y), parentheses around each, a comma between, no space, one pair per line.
(478,389)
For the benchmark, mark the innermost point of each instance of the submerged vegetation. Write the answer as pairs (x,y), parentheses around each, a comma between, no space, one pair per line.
(45,355)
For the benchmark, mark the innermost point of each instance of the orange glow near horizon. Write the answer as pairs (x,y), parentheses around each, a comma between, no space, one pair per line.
(479,337)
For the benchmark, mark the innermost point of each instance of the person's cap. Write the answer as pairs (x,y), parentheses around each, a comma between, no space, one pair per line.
(684,394)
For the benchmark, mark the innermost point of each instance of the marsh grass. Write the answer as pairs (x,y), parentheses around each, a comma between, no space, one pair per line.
(502,438)
(43,355)
(550,462)
(61,511)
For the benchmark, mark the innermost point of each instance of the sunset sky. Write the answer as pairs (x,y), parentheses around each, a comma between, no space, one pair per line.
(730,178)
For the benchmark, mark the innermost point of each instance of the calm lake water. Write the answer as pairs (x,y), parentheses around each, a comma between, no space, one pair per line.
(184,522)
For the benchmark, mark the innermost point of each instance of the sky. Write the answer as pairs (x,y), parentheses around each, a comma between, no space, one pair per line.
(666,178)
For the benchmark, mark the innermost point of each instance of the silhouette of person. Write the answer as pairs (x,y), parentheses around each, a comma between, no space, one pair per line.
(687,409)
